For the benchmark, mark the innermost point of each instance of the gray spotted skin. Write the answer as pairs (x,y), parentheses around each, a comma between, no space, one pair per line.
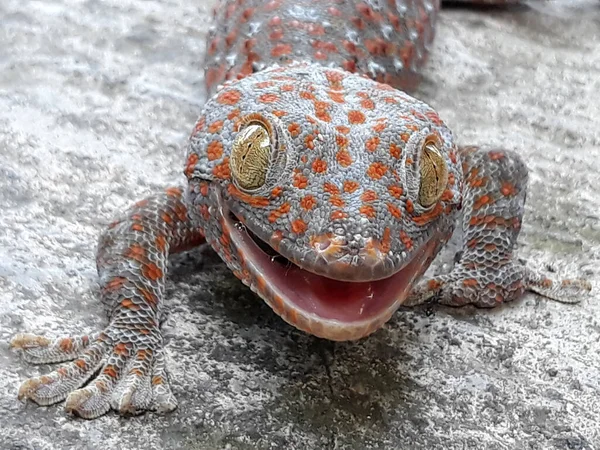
(340,198)
(385,40)
(348,174)
(132,265)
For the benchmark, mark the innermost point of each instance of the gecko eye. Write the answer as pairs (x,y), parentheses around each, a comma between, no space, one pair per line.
(250,156)
(434,174)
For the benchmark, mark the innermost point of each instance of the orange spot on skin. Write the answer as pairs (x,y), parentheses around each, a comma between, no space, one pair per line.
(380,126)
(115,284)
(386,241)
(230,38)
(320,56)
(323,115)
(137,227)
(334,11)
(299,226)
(136,252)
(276,34)
(252,200)
(230,97)
(395,191)
(410,207)
(264,84)
(496,155)
(394,211)
(337,215)
(110,371)
(490,247)
(300,181)
(279,113)
(215,127)
(343,129)
(367,104)
(276,192)
(331,188)
(191,163)
(268,98)
(508,189)
(343,158)
(281,50)
(433,285)
(80,363)
(308,202)
(309,141)
(152,272)
(470,282)
(356,117)
(395,151)
(294,129)
(66,345)
(319,165)
(406,240)
(222,170)
(166,217)
(173,192)
(149,297)
(447,195)
(350,186)
(369,196)
(337,201)
(341,140)
(337,96)
(128,304)
(283,209)
(427,217)
(377,170)
(307,95)
(157,380)
(482,201)
(372,144)
(214,150)
(368,211)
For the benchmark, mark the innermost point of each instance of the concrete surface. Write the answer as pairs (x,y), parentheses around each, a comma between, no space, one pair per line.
(97,99)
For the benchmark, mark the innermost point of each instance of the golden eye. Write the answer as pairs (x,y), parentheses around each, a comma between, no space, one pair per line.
(250,156)
(434,175)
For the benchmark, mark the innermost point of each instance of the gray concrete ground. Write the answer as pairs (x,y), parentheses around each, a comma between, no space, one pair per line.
(97,99)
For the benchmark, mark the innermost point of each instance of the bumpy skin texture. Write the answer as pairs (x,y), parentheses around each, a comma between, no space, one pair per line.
(341,198)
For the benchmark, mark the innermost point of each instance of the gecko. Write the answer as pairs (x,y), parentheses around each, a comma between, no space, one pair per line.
(321,183)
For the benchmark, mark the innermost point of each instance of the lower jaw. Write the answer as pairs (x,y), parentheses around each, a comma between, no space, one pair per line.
(345,330)
(359,309)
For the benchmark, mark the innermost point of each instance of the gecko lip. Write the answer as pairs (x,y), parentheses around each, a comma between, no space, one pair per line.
(326,307)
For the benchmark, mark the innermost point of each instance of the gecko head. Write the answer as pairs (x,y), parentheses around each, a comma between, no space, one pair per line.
(327,193)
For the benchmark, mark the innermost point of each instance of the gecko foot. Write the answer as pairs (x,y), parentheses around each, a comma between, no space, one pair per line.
(129,367)
(489,287)
(568,291)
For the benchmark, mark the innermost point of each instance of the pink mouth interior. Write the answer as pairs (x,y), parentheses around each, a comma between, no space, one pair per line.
(331,299)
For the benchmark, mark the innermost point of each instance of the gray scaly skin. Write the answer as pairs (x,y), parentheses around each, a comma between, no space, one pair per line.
(321,185)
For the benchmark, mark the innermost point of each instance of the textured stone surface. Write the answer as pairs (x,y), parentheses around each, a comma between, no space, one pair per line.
(97,99)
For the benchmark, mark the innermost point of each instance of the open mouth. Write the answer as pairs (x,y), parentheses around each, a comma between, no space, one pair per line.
(326,307)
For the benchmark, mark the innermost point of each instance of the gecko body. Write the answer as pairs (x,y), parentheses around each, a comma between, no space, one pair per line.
(321,184)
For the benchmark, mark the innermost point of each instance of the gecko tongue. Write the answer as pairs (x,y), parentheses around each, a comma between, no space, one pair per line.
(343,301)
(292,291)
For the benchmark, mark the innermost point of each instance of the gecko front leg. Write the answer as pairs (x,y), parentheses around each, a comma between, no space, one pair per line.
(128,355)
(487,272)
